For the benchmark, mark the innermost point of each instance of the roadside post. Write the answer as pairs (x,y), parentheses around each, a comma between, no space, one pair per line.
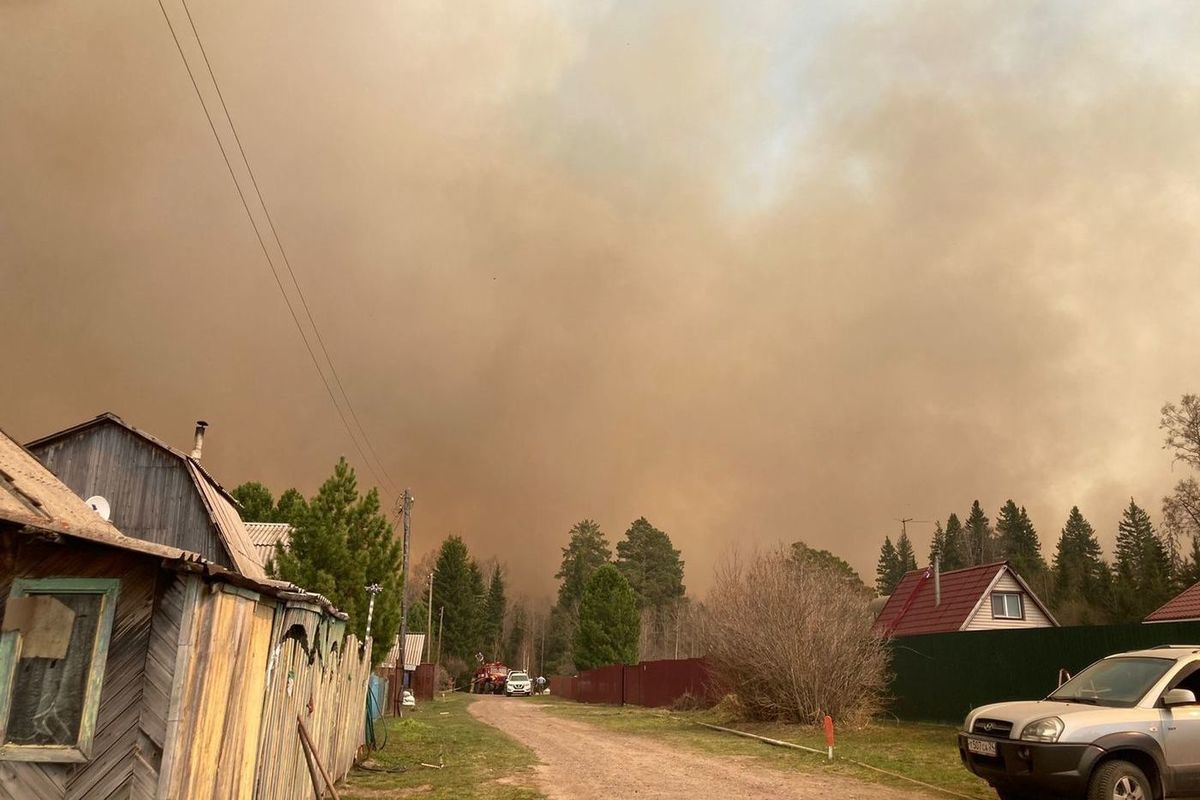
(828,725)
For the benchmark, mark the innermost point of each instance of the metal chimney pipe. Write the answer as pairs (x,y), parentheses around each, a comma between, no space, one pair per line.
(201,426)
(937,582)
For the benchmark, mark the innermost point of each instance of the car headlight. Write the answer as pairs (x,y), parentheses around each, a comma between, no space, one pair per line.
(1043,730)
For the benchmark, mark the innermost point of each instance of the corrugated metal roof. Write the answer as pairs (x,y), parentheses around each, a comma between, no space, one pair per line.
(229,524)
(414,650)
(264,536)
(1185,605)
(911,610)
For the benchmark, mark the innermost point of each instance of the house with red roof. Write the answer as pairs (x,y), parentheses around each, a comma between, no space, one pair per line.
(1184,607)
(986,597)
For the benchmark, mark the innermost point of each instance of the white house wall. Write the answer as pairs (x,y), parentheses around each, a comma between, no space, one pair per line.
(983,621)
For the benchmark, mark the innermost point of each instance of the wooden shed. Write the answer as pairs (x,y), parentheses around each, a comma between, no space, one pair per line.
(136,669)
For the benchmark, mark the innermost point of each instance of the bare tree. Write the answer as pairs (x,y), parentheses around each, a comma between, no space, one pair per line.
(1181,509)
(794,642)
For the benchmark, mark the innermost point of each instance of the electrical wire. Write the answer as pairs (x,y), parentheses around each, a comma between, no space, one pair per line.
(283,252)
(266,253)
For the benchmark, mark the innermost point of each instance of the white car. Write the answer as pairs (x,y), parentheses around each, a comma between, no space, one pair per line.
(1126,728)
(518,683)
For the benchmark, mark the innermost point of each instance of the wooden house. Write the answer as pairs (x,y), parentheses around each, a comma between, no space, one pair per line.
(136,668)
(986,597)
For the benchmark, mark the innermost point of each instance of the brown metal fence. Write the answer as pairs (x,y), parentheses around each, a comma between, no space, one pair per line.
(649,683)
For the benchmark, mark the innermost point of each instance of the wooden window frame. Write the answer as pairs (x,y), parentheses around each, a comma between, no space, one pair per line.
(1020,602)
(10,654)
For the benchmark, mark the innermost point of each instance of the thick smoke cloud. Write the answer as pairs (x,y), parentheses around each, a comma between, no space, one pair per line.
(758,274)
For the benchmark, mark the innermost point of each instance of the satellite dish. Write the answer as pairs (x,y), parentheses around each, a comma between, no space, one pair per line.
(100,506)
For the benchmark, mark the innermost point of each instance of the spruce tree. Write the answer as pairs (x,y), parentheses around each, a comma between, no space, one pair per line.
(455,591)
(1018,542)
(953,551)
(887,570)
(906,557)
(937,543)
(1082,581)
(608,621)
(978,535)
(1143,567)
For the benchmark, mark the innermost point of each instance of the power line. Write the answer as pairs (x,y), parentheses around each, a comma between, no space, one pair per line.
(279,242)
(266,253)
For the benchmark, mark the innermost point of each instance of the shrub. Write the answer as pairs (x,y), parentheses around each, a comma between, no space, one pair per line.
(794,641)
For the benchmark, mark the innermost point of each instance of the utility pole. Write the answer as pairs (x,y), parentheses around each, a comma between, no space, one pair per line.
(429,615)
(441,619)
(406,514)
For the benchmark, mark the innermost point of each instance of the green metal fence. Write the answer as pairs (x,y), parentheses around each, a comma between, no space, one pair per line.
(941,677)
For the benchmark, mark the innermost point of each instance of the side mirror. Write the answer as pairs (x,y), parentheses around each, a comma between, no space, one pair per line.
(1179,697)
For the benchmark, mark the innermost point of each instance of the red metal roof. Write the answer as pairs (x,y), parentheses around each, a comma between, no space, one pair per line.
(911,609)
(1185,605)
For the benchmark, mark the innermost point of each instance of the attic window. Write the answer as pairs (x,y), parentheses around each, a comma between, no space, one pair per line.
(53,647)
(1007,605)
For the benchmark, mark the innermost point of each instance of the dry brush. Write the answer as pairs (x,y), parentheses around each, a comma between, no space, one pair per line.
(794,642)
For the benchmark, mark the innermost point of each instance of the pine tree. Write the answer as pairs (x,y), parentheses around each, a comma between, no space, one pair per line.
(953,551)
(608,621)
(255,503)
(342,544)
(586,551)
(979,538)
(1082,581)
(291,508)
(812,558)
(494,609)
(1143,567)
(887,571)
(651,565)
(1018,542)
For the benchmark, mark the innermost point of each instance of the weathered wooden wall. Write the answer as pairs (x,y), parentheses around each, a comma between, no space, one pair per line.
(150,491)
(127,746)
(202,689)
(217,702)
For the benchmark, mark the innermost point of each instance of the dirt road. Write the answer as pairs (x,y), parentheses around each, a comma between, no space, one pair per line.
(583,762)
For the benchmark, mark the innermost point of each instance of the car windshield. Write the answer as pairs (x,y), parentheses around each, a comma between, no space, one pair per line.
(1119,682)
(518,676)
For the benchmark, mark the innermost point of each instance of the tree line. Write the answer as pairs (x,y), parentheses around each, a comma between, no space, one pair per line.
(610,610)
(1148,566)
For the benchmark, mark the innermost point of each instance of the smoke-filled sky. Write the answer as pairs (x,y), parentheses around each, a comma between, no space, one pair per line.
(757,271)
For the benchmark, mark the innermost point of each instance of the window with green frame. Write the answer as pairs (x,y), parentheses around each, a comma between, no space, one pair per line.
(53,648)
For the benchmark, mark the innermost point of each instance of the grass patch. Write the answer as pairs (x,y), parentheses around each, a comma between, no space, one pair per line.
(481,763)
(924,752)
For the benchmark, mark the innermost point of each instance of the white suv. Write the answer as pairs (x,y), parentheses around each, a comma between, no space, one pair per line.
(1125,728)
(518,683)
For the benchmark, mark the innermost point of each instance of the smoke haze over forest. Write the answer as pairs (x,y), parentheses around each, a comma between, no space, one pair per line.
(756,272)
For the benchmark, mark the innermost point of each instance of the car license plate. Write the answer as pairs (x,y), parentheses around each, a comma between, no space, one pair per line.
(982,747)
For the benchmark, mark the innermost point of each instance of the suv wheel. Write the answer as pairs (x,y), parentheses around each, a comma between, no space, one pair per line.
(1119,780)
